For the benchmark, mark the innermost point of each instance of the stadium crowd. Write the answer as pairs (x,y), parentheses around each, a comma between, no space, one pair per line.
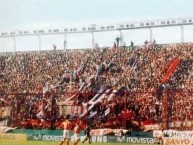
(134,76)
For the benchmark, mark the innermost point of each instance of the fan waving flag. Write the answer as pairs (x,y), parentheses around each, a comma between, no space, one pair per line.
(170,70)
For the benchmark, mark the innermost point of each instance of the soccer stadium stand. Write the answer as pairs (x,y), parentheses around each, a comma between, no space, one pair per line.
(126,87)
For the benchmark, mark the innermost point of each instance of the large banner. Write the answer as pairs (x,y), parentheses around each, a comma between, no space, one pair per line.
(178,141)
(14,137)
(73,110)
(152,127)
(134,140)
(56,135)
(68,107)
(100,132)
(176,124)
(173,137)
(178,134)
(104,139)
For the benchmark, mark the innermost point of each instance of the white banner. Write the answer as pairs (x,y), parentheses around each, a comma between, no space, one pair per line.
(173,137)
(157,133)
(136,140)
(178,134)
(73,110)
(151,127)
(175,124)
(100,132)
(177,141)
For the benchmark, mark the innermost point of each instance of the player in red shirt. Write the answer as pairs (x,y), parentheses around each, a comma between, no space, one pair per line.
(66,129)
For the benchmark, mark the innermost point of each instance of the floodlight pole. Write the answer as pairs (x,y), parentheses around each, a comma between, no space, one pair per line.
(182,33)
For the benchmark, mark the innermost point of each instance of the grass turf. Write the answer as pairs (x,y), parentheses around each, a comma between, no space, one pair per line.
(57,143)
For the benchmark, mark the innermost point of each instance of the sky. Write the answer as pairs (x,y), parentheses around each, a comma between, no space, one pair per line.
(18,15)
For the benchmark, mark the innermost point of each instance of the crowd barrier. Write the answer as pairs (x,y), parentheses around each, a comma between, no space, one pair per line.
(108,108)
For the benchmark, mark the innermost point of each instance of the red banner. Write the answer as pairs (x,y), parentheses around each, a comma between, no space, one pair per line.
(170,70)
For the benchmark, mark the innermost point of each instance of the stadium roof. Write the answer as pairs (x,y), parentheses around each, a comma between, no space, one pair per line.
(102,28)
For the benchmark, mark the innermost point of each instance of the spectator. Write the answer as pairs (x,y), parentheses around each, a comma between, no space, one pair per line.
(76,72)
